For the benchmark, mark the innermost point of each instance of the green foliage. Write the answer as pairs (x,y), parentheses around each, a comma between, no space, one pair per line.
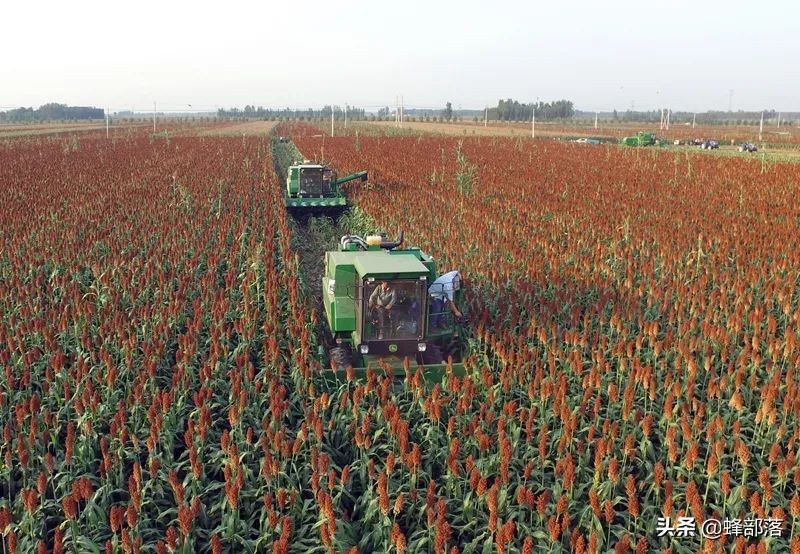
(512,110)
(52,111)
(466,175)
(447,112)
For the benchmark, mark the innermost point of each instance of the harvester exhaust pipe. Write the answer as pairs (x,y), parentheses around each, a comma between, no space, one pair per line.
(352,239)
(389,245)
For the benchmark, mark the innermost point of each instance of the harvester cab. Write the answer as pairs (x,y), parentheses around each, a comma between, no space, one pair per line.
(378,305)
(315,189)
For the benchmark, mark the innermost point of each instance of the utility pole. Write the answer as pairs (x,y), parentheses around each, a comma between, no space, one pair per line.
(669,112)
(345,116)
(694,115)
(401,111)
(533,122)
(761,127)
(331,120)
(595,120)
(486,117)
(106,122)
(779,120)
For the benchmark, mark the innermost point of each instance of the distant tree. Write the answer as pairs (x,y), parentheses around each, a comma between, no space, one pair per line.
(447,113)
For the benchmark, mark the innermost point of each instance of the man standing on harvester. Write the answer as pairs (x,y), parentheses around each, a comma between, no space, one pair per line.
(442,292)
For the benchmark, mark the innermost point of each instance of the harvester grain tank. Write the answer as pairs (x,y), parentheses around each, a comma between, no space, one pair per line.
(360,336)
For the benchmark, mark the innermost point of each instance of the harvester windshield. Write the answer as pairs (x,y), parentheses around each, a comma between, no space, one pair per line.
(392,311)
(315,181)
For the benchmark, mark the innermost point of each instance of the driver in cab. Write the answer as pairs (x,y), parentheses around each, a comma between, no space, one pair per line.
(383,298)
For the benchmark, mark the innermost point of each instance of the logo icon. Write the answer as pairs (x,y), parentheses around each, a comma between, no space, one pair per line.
(392,348)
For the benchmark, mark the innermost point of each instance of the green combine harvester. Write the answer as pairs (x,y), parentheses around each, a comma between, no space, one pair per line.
(360,335)
(313,189)
(643,138)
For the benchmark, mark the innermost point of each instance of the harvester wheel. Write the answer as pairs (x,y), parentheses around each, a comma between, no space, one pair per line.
(341,358)
(432,355)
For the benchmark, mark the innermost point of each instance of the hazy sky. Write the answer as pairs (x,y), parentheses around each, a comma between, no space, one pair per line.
(602,55)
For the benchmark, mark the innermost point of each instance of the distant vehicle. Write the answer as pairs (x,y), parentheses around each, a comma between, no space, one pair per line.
(585,140)
(748,147)
(696,142)
(709,145)
(641,139)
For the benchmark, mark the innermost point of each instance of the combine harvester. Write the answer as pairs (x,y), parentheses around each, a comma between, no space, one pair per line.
(643,138)
(360,335)
(419,328)
(314,190)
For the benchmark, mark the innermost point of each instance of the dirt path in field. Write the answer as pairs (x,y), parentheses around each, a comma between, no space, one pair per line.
(11,131)
(249,128)
(51,127)
(468,129)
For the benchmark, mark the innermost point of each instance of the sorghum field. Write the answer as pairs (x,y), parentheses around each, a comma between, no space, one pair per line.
(635,355)
(784,137)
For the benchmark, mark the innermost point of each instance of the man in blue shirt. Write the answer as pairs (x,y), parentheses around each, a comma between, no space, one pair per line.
(442,292)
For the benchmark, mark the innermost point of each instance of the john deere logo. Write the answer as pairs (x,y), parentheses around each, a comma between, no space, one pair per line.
(392,348)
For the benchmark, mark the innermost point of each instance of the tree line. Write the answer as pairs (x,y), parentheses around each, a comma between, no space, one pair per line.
(506,110)
(513,110)
(52,111)
(287,113)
